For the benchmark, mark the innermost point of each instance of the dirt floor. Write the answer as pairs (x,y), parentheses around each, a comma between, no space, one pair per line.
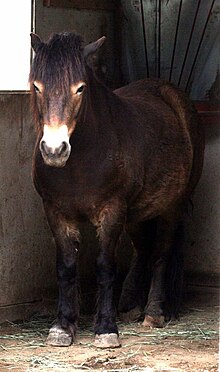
(190,344)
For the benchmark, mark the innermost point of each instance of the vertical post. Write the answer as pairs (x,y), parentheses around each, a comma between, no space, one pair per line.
(199,46)
(175,39)
(144,37)
(189,41)
(159,39)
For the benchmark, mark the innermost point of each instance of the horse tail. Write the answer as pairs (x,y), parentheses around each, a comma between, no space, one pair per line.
(185,110)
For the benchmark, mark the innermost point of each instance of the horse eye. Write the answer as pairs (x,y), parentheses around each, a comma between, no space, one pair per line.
(37,90)
(80,89)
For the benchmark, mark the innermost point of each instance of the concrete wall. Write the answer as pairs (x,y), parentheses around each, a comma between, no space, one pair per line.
(89,23)
(92,24)
(202,244)
(26,251)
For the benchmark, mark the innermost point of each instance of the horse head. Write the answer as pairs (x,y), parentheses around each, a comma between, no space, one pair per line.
(58,82)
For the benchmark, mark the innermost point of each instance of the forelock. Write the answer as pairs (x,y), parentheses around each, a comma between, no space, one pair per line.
(59,62)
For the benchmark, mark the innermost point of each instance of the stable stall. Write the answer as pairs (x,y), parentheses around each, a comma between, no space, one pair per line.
(173,40)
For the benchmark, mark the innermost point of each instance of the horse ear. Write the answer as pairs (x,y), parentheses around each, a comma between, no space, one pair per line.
(92,47)
(35,41)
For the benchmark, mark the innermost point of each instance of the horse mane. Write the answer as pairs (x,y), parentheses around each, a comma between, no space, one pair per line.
(59,62)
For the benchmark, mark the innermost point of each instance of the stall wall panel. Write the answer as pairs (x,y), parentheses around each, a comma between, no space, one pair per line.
(91,24)
(27,255)
(174,40)
(202,243)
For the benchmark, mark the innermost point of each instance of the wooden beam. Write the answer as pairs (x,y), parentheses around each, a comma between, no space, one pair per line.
(209,113)
(81,4)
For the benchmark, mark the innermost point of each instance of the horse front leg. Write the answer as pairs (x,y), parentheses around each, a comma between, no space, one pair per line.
(66,235)
(109,231)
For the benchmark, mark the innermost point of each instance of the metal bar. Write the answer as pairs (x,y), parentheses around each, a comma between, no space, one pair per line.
(81,4)
(189,42)
(199,46)
(159,40)
(144,36)
(33,25)
(118,42)
(156,38)
(175,39)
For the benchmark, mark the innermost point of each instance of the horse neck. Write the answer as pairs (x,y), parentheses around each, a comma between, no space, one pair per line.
(97,119)
(102,99)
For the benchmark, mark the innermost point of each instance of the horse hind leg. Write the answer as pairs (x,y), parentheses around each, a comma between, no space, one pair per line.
(136,285)
(167,267)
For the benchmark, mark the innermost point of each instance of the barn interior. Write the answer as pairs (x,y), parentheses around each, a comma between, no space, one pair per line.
(173,40)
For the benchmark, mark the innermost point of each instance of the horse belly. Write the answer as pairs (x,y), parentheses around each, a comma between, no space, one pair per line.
(158,197)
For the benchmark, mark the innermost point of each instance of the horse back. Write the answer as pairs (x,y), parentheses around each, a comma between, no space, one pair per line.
(174,107)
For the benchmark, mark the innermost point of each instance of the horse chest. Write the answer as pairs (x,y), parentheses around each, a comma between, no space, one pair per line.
(79,190)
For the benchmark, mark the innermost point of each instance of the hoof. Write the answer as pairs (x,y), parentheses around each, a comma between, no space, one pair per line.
(131,315)
(59,337)
(107,340)
(153,322)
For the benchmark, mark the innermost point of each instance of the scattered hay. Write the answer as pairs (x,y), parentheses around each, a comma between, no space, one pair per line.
(22,346)
(31,334)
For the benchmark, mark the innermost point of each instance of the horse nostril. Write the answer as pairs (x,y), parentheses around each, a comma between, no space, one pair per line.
(44,148)
(63,148)
(53,153)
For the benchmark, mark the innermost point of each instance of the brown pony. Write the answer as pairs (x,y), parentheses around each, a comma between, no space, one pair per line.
(126,161)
